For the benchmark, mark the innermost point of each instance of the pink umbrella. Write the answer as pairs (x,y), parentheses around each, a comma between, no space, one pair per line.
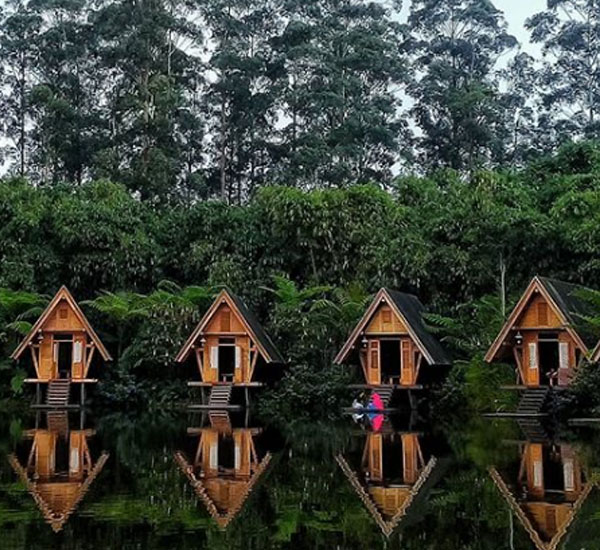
(377,422)
(376,402)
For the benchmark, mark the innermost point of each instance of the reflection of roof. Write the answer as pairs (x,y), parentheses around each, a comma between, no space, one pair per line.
(56,510)
(263,341)
(62,294)
(387,526)
(527,523)
(223,516)
(410,310)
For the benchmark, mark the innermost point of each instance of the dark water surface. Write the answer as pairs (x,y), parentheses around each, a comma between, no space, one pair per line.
(75,481)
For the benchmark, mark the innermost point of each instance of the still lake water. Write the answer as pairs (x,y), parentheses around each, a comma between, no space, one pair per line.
(73,481)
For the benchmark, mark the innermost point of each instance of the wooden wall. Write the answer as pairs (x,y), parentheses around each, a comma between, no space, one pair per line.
(64,321)
(225,324)
(385,321)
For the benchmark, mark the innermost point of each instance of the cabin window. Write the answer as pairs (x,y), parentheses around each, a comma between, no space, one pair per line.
(563,355)
(77,352)
(226,320)
(238,457)
(386,316)
(74,460)
(238,357)
(533,363)
(569,475)
(63,313)
(538,474)
(213,458)
(542,311)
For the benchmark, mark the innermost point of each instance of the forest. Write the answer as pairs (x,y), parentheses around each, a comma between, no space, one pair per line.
(303,154)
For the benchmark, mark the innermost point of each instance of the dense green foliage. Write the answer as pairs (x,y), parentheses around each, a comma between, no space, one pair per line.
(306,262)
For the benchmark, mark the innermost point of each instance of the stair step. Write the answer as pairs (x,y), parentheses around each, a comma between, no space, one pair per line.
(58,393)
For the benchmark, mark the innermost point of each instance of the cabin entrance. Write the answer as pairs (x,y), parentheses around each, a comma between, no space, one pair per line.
(548,348)
(390,361)
(63,356)
(226,453)
(227,359)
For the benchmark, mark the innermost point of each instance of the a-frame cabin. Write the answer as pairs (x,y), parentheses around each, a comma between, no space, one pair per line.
(392,344)
(59,468)
(545,491)
(545,335)
(62,346)
(230,349)
(392,474)
(226,466)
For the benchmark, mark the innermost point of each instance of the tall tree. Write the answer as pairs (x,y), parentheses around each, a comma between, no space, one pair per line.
(456,46)
(345,64)
(150,80)
(64,100)
(243,93)
(569,31)
(19,52)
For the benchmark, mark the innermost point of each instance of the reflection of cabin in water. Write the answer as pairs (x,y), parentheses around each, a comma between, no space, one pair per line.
(226,466)
(230,348)
(545,491)
(62,344)
(58,469)
(543,336)
(392,473)
(392,344)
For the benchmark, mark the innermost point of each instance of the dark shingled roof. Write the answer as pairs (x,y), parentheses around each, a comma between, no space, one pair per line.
(263,338)
(573,307)
(412,310)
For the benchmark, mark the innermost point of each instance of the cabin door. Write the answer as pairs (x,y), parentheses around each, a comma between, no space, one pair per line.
(407,365)
(532,361)
(63,356)
(375,443)
(374,362)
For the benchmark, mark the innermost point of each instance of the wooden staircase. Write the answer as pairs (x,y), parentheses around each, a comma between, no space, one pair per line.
(385,392)
(58,422)
(219,397)
(532,402)
(533,430)
(58,393)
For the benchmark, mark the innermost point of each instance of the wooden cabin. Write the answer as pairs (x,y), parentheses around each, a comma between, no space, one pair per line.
(62,346)
(391,475)
(59,468)
(225,467)
(230,349)
(543,336)
(545,491)
(392,344)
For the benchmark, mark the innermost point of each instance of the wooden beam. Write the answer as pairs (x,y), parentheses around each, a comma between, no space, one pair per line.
(35,360)
(363,363)
(517,357)
(418,366)
(88,361)
(199,351)
(253,362)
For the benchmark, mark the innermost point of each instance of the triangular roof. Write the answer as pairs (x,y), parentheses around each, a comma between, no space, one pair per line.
(56,518)
(526,522)
(264,343)
(564,300)
(387,526)
(410,310)
(222,519)
(62,294)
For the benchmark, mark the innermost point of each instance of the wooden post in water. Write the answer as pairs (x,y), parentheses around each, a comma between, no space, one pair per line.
(38,394)
(82,394)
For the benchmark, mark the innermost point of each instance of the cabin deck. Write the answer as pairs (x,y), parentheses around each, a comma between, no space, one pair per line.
(196,384)
(520,387)
(71,380)
(381,386)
